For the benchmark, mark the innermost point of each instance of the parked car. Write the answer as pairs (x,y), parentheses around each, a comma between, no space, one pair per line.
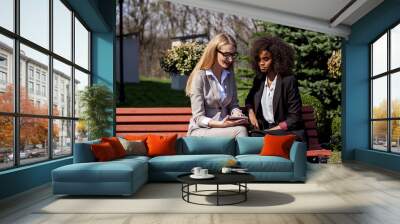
(22,155)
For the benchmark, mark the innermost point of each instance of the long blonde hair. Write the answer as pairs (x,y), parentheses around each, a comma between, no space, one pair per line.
(209,56)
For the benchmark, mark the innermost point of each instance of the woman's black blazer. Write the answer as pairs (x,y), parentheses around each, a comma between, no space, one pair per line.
(286,101)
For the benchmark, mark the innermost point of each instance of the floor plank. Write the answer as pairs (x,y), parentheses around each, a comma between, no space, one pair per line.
(377,190)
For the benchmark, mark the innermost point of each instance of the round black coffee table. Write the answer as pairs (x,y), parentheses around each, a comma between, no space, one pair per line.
(238,179)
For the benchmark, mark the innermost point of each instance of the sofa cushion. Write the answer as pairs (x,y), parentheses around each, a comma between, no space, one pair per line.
(136,147)
(257,163)
(249,145)
(116,145)
(111,171)
(83,153)
(185,163)
(194,145)
(277,145)
(103,151)
(133,157)
(160,145)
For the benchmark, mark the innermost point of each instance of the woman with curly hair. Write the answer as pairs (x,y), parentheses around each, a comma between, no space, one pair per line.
(274,103)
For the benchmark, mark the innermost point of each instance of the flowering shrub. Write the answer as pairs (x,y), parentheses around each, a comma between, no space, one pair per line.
(182,59)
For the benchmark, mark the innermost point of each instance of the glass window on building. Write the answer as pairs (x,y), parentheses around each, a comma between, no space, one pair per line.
(3,78)
(30,72)
(38,89)
(43,90)
(3,61)
(34,53)
(43,77)
(385,96)
(37,74)
(30,87)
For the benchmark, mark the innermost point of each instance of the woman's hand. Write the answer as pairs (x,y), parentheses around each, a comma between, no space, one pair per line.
(226,123)
(253,119)
(275,128)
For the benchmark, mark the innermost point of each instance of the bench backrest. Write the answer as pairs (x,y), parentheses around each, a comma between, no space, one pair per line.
(171,120)
(160,120)
(310,127)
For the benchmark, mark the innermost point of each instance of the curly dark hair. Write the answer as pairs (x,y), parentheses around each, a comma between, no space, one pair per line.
(282,54)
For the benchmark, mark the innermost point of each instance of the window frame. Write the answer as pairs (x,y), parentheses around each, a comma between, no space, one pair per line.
(388,74)
(16,114)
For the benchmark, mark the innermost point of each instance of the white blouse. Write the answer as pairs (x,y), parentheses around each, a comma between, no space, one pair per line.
(267,101)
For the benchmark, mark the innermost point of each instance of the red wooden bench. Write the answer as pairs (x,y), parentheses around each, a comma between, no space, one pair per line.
(171,120)
(315,150)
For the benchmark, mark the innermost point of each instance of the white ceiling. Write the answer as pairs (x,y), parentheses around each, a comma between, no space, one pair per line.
(318,15)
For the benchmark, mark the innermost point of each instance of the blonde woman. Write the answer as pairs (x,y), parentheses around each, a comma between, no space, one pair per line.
(212,91)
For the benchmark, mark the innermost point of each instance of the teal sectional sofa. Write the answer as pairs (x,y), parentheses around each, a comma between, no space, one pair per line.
(125,176)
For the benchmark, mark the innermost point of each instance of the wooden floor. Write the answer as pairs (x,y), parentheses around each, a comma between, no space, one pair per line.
(377,188)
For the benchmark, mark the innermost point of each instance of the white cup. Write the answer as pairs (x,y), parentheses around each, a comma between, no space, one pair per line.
(203,172)
(196,170)
(226,170)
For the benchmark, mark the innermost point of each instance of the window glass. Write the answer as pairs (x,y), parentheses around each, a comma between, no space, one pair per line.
(62,91)
(6,142)
(81,45)
(34,21)
(395,47)
(6,74)
(39,62)
(81,131)
(395,95)
(379,135)
(395,136)
(379,98)
(62,137)
(81,81)
(62,29)
(33,140)
(7,14)
(379,56)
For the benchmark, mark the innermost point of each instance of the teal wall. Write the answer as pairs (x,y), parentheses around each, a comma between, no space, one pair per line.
(24,178)
(355,85)
(99,16)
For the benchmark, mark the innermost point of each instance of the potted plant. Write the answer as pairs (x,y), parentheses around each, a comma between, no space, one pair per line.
(179,61)
(96,102)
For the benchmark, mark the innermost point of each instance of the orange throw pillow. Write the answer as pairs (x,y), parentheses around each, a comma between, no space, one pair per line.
(158,145)
(116,145)
(103,152)
(136,137)
(277,145)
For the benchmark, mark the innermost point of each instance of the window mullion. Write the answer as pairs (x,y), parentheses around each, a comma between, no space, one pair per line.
(50,81)
(389,106)
(16,84)
(73,81)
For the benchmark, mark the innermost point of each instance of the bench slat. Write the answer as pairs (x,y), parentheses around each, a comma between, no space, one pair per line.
(180,134)
(154,119)
(155,111)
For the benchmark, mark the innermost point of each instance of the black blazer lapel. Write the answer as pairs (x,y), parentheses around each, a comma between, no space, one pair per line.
(258,96)
(277,95)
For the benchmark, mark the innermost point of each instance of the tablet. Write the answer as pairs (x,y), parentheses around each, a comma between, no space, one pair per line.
(237,117)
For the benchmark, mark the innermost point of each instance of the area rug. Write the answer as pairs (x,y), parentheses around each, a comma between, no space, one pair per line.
(166,198)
